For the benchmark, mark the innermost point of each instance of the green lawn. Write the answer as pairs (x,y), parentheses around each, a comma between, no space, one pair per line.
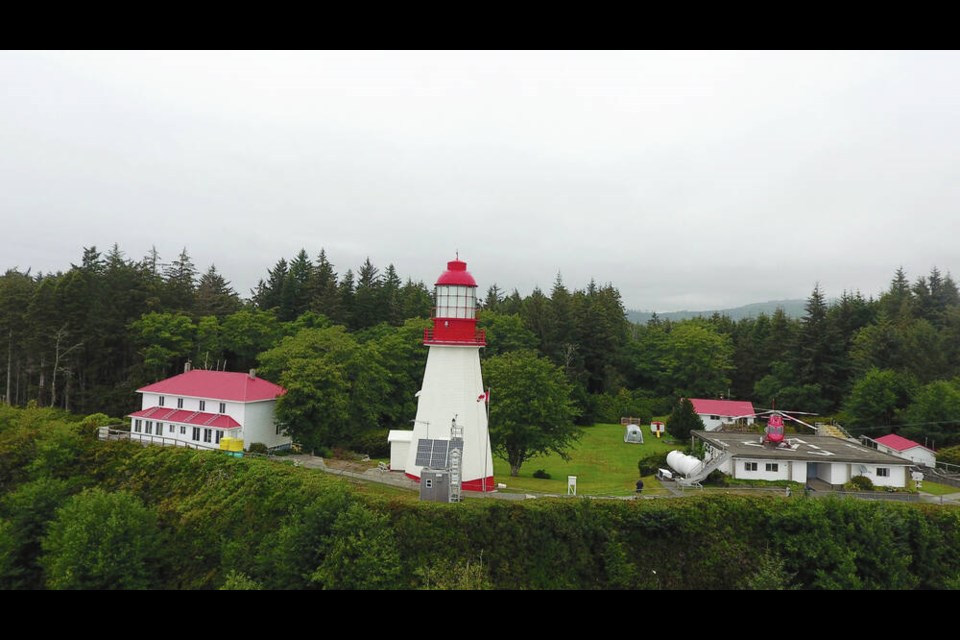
(603,463)
(935,488)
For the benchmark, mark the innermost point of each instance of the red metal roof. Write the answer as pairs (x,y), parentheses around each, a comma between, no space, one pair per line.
(218,385)
(898,443)
(726,408)
(183,416)
(457,274)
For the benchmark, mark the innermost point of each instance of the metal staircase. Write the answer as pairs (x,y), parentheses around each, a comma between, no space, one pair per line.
(693,480)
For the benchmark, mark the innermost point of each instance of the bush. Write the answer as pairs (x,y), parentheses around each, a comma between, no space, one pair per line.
(950,455)
(649,464)
(859,483)
(540,473)
(101,540)
(373,443)
(258,447)
(716,478)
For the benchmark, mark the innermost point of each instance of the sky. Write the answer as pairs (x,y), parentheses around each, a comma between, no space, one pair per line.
(687,180)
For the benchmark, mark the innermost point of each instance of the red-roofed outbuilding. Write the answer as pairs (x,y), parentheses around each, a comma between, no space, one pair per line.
(903,448)
(716,412)
(200,407)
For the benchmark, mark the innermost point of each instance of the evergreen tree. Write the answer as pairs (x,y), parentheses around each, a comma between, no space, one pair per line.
(180,283)
(325,296)
(682,420)
(366,298)
(215,296)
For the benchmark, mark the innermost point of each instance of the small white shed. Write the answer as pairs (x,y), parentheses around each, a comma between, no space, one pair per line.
(399,448)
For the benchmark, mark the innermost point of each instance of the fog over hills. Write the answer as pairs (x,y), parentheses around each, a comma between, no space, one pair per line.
(793,309)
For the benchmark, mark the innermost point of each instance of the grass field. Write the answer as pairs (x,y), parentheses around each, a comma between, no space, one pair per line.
(603,463)
(936,489)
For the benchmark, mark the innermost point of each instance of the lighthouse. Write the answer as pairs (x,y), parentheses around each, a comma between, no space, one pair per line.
(452,392)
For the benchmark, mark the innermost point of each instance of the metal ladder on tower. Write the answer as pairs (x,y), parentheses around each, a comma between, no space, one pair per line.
(456,461)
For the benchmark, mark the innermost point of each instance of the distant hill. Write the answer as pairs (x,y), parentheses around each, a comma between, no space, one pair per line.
(793,309)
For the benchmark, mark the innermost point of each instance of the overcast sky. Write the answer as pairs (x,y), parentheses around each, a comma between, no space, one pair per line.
(687,180)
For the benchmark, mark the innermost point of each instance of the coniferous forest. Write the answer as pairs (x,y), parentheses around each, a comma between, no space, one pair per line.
(86,338)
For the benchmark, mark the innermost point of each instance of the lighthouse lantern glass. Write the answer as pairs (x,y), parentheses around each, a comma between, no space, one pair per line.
(456,301)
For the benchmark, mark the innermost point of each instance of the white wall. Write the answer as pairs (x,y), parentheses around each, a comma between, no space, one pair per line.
(712,425)
(176,438)
(398,454)
(260,425)
(798,471)
(782,469)
(919,455)
(833,472)
(256,418)
(233,409)
(897,475)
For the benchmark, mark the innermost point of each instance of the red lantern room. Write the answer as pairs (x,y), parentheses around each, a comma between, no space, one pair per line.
(455,313)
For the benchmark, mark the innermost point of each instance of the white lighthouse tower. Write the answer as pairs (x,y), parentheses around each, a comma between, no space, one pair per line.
(452,389)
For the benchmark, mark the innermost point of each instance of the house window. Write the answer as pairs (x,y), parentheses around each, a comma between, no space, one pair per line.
(159,428)
(183,429)
(196,434)
(149,427)
(883,472)
(162,400)
(428,483)
(219,435)
(207,435)
(138,425)
(714,417)
(223,407)
(179,403)
(171,429)
(773,466)
(749,466)
(203,405)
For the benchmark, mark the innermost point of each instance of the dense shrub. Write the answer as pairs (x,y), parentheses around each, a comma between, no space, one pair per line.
(258,447)
(950,455)
(248,522)
(859,483)
(101,540)
(649,464)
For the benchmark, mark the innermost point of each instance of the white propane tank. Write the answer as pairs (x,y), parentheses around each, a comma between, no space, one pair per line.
(682,463)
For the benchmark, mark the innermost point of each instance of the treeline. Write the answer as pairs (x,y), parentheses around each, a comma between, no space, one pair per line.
(76,513)
(85,339)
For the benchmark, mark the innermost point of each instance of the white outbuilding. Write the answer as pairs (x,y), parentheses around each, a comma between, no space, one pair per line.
(903,448)
(714,413)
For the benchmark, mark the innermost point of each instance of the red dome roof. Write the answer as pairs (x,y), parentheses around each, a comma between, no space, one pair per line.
(457,274)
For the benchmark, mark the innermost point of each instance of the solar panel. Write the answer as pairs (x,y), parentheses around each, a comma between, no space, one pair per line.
(434,453)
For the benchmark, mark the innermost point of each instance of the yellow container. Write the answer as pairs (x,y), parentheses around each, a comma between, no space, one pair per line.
(231,444)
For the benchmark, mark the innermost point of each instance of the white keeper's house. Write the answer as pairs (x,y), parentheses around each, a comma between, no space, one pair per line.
(199,408)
